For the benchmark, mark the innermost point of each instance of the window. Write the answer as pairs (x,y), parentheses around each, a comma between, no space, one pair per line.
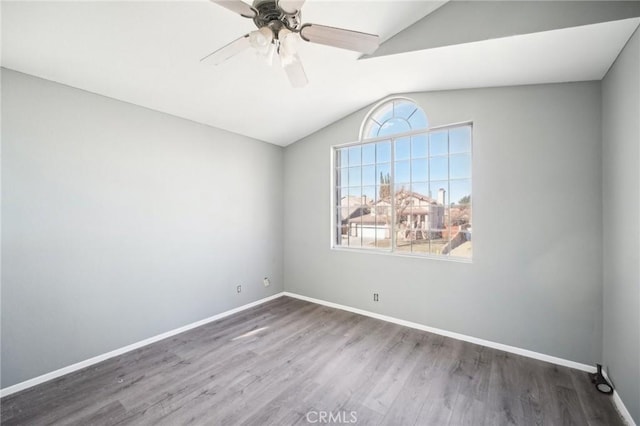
(404,188)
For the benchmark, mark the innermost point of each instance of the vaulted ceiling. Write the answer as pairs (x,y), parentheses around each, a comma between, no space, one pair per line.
(148,52)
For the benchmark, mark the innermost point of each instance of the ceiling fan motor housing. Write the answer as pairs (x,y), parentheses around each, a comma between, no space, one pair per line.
(272,16)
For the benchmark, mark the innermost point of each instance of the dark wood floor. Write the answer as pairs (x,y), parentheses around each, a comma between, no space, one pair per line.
(291,362)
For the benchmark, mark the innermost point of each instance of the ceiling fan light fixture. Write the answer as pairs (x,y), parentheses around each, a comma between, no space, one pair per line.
(287,42)
(290,6)
(270,53)
(261,39)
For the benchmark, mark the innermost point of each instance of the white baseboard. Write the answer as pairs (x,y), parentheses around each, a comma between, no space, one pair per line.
(622,409)
(482,342)
(96,359)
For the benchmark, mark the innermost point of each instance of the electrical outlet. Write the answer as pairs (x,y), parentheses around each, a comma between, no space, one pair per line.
(375,297)
(266,282)
(239,289)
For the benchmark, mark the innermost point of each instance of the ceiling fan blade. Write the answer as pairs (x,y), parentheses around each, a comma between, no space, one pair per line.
(338,37)
(295,71)
(226,52)
(290,6)
(238,6)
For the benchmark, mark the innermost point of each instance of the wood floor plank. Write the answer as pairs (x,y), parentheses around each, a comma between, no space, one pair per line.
(443,395)
(391,370)
(314,360)
(407,406)
(286,360)
(506,373)
(595,405)
(474,367)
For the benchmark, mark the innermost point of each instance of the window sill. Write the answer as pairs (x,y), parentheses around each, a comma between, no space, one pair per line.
(401,254)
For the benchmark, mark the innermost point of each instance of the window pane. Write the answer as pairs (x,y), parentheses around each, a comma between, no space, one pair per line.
(404,109)
(343,210)
(382,217)
(384,170)
(403,199)
(369,231)
(383,193)
(368,195)
(437,243)
(355,176)
(419,170)
(382,212)
(419,146)
(414,230)
(460,214)
(415,227)
(465,249)
(421,188)
(438,144)
(369,175)
(342,157)
(395,116)
(403,171)
(371,130)
(460,244)
(384,243)
(439,230)
(460,191)
(342,177)
(354,155)
(383,152)
(460,166)
(418,120)
(401,193)
(438,168)
(354,217)
(354,195)
(403,149)
(383,174)
(384,113)
(438,191)
(403,246)
(355,232)
(460,139)
(403,212)
(394,126)
(368,153)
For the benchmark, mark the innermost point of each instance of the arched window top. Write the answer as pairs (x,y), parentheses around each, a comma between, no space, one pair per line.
(391,117)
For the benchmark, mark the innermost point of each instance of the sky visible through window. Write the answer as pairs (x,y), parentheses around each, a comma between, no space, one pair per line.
(437,157)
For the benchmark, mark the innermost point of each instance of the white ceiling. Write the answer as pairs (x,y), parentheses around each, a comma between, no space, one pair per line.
(148,52)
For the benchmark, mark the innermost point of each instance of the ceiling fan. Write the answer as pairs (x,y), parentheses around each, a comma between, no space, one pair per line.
(279,29)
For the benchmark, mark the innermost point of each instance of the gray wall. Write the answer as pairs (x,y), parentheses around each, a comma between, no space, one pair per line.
(120,223)
(621,201)
(536,277)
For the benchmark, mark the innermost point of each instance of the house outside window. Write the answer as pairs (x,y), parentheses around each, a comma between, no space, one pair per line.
(404,187)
